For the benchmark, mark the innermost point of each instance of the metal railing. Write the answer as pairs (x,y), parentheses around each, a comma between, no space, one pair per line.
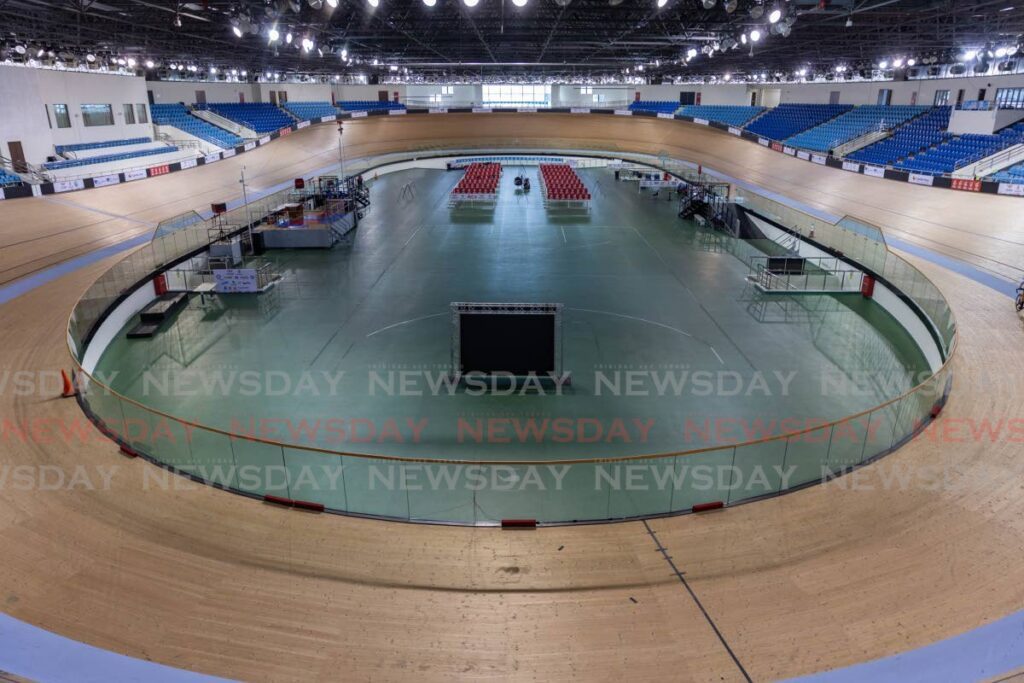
(565,489)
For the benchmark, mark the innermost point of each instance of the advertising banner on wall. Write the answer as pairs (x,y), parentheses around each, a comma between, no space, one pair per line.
(623,112)
(818,158)
(104,180)
(876,171)
(136,174)
(1012,189)
(234,280)
(68,185)
(921,179)
(850,166)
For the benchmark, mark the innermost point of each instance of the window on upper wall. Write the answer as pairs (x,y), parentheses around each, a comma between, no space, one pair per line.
(884,96)
(129,113)
(941,98)
(447,89)
(97,115)
(1010,98)
(60,116)
(140,113)
(517,94)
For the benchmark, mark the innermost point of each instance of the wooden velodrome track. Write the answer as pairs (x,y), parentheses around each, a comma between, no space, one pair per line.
(824,577)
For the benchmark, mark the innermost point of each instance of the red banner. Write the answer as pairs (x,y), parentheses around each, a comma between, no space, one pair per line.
(159,170)
(777,147)
(966,185)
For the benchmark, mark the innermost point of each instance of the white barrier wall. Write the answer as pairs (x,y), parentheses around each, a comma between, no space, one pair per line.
(25,94)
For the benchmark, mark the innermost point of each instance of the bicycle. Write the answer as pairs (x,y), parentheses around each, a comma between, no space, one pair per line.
(1020,296)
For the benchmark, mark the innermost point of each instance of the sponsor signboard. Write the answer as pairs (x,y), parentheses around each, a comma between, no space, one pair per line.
(656,184)
(818,158)
(135,174)
(788,150)
(359,114)
(299,125)
(850,166)
(159,170)
(265,139)
(249,146)
(579,110)
(1012,189)
(284,131)
(703,122)
(735,131)
(210,158)
(623,112)
(765,142)
(325,119)
(777,147)
(68,185)
(527,110)
(481,110)
(188,163)
(921,179)
(229,280)
(227,154)
(876,171)
(437,110)
(396,112)
(104,180)
(803,155)
(665,115)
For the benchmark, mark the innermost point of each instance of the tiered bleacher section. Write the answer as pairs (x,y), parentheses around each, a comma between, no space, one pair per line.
(106,158)
(7,178)
(1014,174)
(909,139)
(81,146)
(786,120)
(853,124)
(959,151)
(730,115)
(657,106)
(261,117)
(368,105)
(480,183)
(560,185)
(307,111)
(177,115)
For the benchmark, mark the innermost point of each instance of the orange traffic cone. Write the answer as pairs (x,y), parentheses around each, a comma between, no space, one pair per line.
(69,388)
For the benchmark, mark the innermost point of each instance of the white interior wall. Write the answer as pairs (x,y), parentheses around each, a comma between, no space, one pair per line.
(171,92)
(367,92)
(25,92)
(866,92)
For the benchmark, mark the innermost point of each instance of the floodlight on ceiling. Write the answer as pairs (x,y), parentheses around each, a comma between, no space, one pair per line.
(708,4)
(316,4)
(273,35)
(911,62)
(288,38)
(429,3)
(883,64)
(897,63)
(757,11)
(373,3)
(743,38)
(237,31)
(661,3)
(774,16)
(150,64)
(333,4)
(755,35)
(730,6)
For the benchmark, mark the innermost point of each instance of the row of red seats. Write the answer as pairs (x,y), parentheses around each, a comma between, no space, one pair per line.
(479,179)
(560,182)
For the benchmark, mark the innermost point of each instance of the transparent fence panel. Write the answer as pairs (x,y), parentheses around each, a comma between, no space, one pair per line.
(579,493)
(806,457)
(758,469)
(880,430)
(213,457)
(846,444)
(316,477)
(443,491)
(260,468)
(638,487)
(700,478)
(376,487)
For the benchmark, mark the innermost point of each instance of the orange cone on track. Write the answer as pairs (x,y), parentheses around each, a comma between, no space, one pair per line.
(69,388)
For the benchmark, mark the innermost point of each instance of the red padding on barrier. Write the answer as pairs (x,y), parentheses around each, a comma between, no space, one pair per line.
(518,524)
(704,507)
(129,453)
(288,502)
(936,409)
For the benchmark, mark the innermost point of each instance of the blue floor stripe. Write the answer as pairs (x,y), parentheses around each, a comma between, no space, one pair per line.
(986,652)
(31,652)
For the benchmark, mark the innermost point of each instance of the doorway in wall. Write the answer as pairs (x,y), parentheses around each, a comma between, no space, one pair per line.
(17,156)
(687,97)
(241,98)
(382,95)
(753,99)
(959,97)
(149,93)
(981,94)
(884,96)
(200,97)
(833,97)
(273,97)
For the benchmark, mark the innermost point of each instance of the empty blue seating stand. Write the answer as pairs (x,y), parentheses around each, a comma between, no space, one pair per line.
(368,105)
(261,117)
(104,158)
(786,120)
(656,106)
(853,124)
(909,139)
(307,111)
(79,146)
(178,116)
(7,178)
(732,115)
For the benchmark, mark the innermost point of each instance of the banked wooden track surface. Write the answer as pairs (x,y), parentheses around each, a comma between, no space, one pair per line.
(825,577)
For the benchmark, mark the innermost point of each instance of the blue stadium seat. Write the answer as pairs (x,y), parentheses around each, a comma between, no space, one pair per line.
(657,106)
(368,105)
(853,124)
(786,120)
(261,117)
(961,150)
(1014,174)
(104,158)
(727,114)
(909,139)
(79,146)
(307,111)
(8,178)
(178,116)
